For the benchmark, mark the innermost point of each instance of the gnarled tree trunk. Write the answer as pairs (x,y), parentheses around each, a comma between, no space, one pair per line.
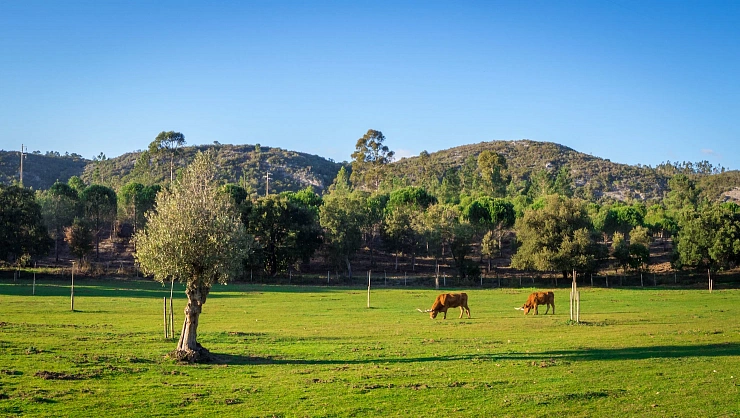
(188,348)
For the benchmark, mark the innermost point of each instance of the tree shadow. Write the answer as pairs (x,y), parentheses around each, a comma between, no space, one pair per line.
(586,354)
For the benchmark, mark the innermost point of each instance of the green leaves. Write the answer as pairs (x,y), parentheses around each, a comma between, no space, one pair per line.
(21,228)
(370,159)
(709,236)
(558,236)
(194,235)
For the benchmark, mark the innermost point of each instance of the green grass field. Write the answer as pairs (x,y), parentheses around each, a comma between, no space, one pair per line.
(313,351)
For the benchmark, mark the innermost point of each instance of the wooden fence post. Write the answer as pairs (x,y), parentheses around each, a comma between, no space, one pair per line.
(72,289)
(164,318)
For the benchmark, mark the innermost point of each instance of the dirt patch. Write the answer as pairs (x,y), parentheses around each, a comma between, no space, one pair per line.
(47,375)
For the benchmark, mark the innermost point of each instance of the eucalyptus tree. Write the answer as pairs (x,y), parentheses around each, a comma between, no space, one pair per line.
(370,160)
(449,187)
(492,169)
(194,236)
(343,218)
(639,248)
(491,219)
(134,200)
(285,229)
(59,206)
(401,220)
(168,144)
(620,251)
(659,222)
(100,204)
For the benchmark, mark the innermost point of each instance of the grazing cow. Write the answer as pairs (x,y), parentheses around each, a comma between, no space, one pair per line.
(449,300)
(539,298)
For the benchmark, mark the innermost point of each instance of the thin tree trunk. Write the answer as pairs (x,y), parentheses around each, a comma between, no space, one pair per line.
(349,267)
(56,243)
(372,252)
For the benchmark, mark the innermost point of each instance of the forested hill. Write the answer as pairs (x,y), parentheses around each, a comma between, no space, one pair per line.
(40,171)
(528,162)
(591,177)
(246,165)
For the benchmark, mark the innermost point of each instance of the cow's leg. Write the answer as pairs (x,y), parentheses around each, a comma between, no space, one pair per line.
(445,314)
(548,309)
(462,311)
(535,309)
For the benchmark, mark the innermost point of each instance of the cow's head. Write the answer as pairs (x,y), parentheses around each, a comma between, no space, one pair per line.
(526,307)
(432,313)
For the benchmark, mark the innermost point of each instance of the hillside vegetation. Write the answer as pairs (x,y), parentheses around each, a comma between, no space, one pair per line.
(246,165)
(40,171)
(592,178)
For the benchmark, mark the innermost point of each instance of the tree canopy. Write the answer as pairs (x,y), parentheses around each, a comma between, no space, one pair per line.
(370,159)
(194,236)
(167,143)
(557,237)
(22,231)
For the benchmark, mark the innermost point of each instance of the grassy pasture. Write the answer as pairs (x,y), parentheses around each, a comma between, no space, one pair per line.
(315,351)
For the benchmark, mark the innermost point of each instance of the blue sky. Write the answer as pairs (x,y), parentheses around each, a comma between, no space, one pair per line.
(637,82)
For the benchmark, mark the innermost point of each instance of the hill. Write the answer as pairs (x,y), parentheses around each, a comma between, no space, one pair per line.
(593,178)
(246,165)
(40,171)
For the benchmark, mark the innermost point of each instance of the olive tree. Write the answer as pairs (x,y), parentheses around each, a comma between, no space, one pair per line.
(194,235)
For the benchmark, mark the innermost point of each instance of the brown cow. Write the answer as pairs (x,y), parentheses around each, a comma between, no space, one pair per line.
(539,298)
(449,300)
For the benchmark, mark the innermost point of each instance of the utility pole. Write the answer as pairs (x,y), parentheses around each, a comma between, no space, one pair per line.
(267,189)
(23,156)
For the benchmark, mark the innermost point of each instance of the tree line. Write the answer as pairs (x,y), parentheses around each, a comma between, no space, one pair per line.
(480,209)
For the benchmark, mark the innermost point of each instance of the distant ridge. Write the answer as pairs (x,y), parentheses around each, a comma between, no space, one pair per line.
(593,178)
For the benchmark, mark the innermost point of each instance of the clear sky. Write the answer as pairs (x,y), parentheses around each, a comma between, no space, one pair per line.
(632,81)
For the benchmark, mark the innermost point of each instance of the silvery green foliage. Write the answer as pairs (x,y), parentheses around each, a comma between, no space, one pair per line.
(194,234)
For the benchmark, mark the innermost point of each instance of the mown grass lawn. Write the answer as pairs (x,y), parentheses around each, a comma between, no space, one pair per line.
(314,351)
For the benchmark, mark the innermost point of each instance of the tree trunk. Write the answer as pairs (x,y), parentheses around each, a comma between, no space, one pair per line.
(56,243)
(188,348)
(349,267)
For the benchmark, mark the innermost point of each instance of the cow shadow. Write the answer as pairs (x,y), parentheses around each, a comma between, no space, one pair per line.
(586,354)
